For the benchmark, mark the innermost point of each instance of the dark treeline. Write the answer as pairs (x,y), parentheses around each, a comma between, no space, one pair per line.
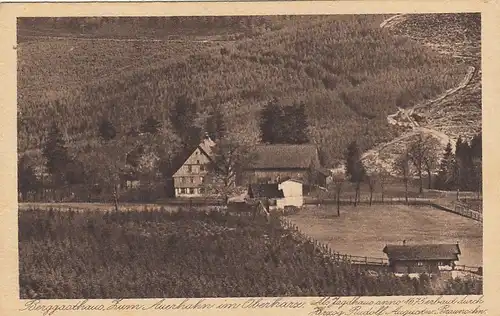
(461,169)
(445,168)
(151,26)
(146,153)
(284,124)
(145,254)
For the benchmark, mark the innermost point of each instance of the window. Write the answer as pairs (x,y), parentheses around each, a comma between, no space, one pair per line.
(202,167)
(191,190)
(190,168)
(197,162)
(201,179)
(183,190)
(420,263)
(441,263)
(192,180)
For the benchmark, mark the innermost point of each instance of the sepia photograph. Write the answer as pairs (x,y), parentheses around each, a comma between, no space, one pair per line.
(249,156)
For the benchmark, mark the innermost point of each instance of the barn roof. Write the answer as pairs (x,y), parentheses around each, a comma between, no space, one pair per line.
(422,252)
(285,156)
(265,190)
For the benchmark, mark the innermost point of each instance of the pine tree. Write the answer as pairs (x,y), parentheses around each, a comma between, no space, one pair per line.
(445,178)
(215,125)
(477,164)
(464,165)
(26,178)
(150,125)
(476,146)
(183,117)
(284,125)
(298,132)
(55,151)
(269,119)
(354,167)
(107,130)
(75,173)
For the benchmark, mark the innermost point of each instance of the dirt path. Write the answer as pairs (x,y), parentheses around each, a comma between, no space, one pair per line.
(404,116)
(393,21)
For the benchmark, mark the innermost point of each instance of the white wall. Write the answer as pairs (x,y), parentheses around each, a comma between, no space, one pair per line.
(293,194)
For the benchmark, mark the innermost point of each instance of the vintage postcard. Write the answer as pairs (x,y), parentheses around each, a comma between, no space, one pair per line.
(314,158)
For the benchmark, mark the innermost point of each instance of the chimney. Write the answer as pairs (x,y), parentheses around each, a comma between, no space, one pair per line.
(207,141)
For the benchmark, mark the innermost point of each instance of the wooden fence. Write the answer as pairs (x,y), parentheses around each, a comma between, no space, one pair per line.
(371,262)
(327,251)
(456,208)
(366,200)
(469,269)
(463,210)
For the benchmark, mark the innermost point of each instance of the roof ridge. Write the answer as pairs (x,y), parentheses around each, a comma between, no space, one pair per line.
(287,145)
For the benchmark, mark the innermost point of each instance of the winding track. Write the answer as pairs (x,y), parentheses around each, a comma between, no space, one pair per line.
(403,117)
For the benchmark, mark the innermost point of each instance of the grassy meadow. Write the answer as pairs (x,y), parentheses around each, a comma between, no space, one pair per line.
(365,230)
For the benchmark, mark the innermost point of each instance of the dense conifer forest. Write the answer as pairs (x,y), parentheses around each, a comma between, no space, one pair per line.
(346,71)
(190,253)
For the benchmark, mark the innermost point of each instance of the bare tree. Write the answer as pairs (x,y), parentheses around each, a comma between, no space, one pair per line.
(423,154)
(372,180)
(383,177)
(402,165)
(355,168)
(104,167)
(336,185)
(231,155)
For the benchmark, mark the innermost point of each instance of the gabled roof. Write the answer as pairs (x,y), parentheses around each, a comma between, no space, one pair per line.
(324,171)
(287,179)
(285,156)
(205,146)
(265,190)
(422,252)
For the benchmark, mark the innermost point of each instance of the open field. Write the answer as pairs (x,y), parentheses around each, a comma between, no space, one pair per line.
(365,230)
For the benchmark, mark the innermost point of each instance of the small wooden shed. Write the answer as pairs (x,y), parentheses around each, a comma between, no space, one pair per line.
(422,258)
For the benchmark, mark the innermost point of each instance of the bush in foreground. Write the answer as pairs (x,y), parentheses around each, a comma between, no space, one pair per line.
(137,254)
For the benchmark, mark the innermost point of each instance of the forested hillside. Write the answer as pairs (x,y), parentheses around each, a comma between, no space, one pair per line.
(347,71)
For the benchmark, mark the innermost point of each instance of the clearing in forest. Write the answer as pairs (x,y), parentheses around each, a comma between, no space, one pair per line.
(365,230)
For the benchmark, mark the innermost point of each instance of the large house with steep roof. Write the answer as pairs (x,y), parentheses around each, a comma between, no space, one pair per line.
(190,176)
(273,164)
